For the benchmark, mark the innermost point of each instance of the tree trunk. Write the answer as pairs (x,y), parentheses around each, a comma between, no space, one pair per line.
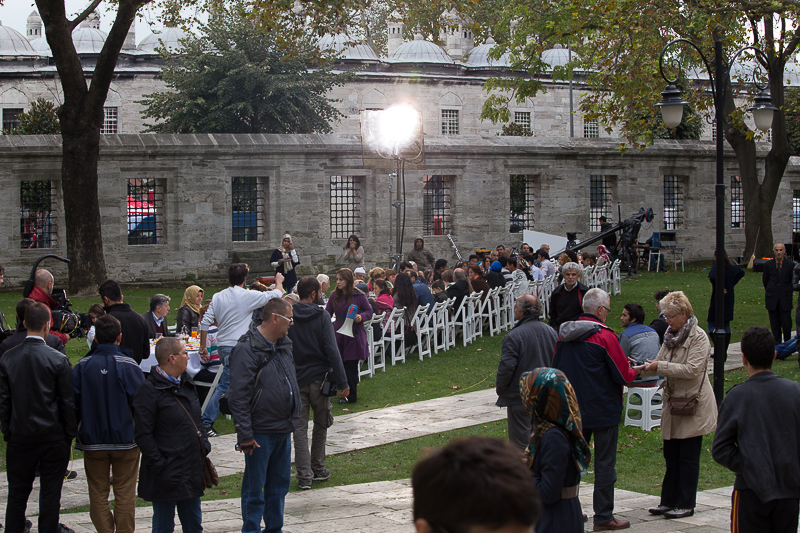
(80,134)
(759,198)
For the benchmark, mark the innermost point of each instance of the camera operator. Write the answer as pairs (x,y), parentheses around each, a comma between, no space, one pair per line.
(42,289)
(19,337)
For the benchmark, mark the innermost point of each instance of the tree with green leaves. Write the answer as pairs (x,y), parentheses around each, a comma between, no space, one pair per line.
(617,45)
(40,119)
(234,78)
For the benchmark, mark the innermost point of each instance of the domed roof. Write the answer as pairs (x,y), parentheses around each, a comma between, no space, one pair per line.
(88,40)
(420,51)
(40,45)
(170,37)
(479,56)
(13,43)
(558,56)
(339,44)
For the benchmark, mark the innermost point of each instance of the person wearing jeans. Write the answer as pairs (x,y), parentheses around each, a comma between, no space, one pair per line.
(231,309)
(265,405)
(167,419)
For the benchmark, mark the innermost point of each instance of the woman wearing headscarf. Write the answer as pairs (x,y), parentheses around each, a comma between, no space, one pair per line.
(189,312)
(284,260)
(683,360)
(558,455)
(495,277)
(602,255)
(353,349)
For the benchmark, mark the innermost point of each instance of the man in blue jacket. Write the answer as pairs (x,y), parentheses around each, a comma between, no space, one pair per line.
(105,383)
(266,410)
(639,343)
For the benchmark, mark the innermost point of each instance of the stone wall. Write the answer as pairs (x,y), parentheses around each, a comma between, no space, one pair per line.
(295,170)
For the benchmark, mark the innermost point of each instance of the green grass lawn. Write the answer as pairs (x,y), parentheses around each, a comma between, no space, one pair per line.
(640,463)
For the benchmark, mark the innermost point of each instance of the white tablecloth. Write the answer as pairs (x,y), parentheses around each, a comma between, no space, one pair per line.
(194,361)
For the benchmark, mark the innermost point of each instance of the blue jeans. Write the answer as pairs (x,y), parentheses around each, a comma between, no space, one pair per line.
(188,512)
(212,409)
(266,482)
(712,326)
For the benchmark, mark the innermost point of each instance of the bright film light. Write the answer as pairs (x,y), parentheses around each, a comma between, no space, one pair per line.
(398,127)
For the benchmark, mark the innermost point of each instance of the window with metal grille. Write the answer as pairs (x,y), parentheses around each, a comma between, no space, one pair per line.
(737,203)
(673,202)
(449,122)
(796,210)
(11,118)
(247,202)
(523,118)
(436,205)
(37,206)
(109,120)
(599,200)
(591,129)
(145,206)
(345,206)
(522,197)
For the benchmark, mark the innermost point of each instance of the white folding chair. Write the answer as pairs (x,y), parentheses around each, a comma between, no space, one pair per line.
(616,277)
(377,349)
(485,312)
(476,324)
(423,329)
(451,327)
(502,298)
(393,331)
(494,311)
(439,332)
(370,370)
(461,320)
(212,386)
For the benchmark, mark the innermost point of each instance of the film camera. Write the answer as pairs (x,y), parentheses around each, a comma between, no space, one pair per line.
(67,321)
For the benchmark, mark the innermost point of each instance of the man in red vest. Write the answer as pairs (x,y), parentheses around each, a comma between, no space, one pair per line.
(43,287)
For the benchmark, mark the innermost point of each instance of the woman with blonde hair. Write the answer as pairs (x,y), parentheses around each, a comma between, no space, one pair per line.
(690,410)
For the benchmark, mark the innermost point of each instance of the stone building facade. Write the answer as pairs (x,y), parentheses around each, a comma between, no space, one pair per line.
(208,194)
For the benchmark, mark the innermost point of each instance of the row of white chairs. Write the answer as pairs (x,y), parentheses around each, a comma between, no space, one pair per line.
(607,277)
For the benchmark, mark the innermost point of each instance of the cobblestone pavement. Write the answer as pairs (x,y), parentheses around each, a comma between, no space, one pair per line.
(381,506)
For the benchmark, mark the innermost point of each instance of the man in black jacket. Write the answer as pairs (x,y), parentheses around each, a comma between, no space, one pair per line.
(39,427)
(166,415)
(134,329)
(566,302)
(756,438)
(266,410)
(156,318)
(315,355)
(777,280)
(459,289)
(529,345)
(19,337)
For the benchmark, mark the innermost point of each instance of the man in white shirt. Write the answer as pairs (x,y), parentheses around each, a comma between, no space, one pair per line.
(231,309)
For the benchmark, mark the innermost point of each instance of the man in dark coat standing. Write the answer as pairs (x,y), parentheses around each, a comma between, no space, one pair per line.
(567,299)
(37,418)
(134,330)
(166,416)
(529,345)
(777,279)
(315,355)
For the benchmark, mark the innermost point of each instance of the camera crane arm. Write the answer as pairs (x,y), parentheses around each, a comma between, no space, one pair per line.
(26,292)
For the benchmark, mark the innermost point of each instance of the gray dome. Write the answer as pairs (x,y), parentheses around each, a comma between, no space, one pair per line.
(339,44)
(13,43)
(88,40)
(170,37)
(40,45)
(557,56)
(420,51)
(479,57)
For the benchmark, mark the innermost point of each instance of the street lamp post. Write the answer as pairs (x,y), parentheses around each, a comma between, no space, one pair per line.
(672,112)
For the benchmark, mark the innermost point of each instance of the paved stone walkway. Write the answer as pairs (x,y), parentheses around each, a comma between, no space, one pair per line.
(374,506)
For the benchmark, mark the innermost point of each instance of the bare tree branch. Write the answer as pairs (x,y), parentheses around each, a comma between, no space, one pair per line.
(72,24)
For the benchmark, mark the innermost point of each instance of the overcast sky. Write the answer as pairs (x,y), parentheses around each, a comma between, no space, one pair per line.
(14,14)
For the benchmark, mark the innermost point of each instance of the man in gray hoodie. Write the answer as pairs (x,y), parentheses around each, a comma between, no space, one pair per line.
(315,356)
(530,344)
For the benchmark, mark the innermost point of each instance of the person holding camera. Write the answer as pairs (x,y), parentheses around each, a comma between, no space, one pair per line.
(42,289)
(266,409)
(316,357)
(21,333)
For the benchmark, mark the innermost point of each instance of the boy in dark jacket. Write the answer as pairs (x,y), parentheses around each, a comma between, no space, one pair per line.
(167,417)
(105,383)
(756,438)
(315,355)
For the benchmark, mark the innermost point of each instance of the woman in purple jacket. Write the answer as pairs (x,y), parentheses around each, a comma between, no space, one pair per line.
(353,349)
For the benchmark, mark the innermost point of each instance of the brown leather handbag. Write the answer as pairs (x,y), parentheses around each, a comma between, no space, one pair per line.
(686,406)
(210,476)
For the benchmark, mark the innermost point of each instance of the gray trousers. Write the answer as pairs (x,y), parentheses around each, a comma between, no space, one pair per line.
(309,464)
(519,426)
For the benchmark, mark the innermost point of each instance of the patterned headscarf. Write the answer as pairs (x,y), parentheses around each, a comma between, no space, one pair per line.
(287,254)
(602,251)
(190,298)
(548,396)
